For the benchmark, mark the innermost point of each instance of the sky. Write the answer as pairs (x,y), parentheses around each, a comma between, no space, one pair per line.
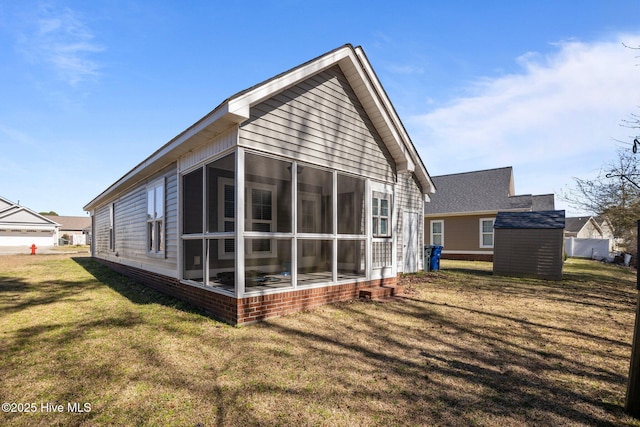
(89,89)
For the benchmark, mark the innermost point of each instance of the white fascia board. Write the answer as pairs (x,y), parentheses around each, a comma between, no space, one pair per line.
(400,137)
(369,80)
(241,104)
(171,150)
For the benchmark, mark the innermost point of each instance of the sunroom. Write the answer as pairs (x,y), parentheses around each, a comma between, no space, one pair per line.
(254,223)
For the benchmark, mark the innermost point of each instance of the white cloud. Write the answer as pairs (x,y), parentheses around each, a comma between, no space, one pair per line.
(406,69)
(554,120)
(58,38)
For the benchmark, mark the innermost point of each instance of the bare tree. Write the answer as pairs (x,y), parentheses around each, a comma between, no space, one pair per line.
(614,194)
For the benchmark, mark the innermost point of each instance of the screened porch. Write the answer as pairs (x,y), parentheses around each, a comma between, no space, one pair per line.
(296,225)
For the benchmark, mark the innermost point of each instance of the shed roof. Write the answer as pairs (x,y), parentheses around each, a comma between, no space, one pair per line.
(531,220)
(236,109)
(488,190)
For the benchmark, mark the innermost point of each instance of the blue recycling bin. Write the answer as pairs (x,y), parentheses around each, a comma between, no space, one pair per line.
(434,261)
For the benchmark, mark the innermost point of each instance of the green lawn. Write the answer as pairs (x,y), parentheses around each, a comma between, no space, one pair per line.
(462,348)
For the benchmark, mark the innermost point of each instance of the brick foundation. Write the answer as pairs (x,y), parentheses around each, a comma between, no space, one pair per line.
(248,309)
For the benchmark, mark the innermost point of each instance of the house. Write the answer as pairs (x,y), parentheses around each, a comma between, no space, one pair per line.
(461,214)
(73,229)
(589,237)
(20,227)
(585,227)
(299,191)
(529,244)
(608,232)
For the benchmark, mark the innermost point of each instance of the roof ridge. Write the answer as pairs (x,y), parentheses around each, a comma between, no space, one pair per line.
(477,171)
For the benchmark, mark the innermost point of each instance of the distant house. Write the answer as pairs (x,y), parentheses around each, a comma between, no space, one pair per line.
(589,237)
(608,232)
(461,214)
(75,228)
(22,227)
(299,191)
(584,227)
(529,244)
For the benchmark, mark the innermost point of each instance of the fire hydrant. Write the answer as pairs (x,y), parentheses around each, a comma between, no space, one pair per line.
(33,249)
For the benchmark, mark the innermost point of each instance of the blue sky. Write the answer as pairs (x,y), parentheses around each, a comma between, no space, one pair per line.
(89,89)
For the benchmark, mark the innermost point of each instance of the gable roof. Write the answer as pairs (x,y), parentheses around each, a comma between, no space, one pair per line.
(575,224)
(488,190)
(236,109)
(14,215)
(530,220)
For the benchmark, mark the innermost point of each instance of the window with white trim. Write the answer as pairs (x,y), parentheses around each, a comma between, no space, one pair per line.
(380,214)
(486,232)
(260,216)
(437,232)
(155,217)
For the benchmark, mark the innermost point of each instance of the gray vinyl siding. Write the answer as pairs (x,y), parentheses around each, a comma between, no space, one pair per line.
(409,199)
(130,226)
(101,231)
(320,121)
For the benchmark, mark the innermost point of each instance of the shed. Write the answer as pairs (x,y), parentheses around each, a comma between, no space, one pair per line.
(529,244)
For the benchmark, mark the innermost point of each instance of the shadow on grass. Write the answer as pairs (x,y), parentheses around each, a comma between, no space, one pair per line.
(17,294)
(446,363)
(131,289)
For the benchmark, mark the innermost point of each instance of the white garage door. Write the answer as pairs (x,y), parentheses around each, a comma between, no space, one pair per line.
(41,238)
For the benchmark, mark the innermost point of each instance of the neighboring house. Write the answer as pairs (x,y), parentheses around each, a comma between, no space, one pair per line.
(75,228)
(529,244)
(584,227)
(608,232)
(461,214)
(589,237)
(20,226)
(296,192)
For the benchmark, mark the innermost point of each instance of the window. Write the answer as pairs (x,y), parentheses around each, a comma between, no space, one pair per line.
(261,218)
(112,236)
(260,212)
(486,232)
(380,212)
(155,217)
(229,216)
(437,232)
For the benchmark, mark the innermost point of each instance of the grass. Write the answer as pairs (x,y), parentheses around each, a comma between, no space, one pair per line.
(463,348)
